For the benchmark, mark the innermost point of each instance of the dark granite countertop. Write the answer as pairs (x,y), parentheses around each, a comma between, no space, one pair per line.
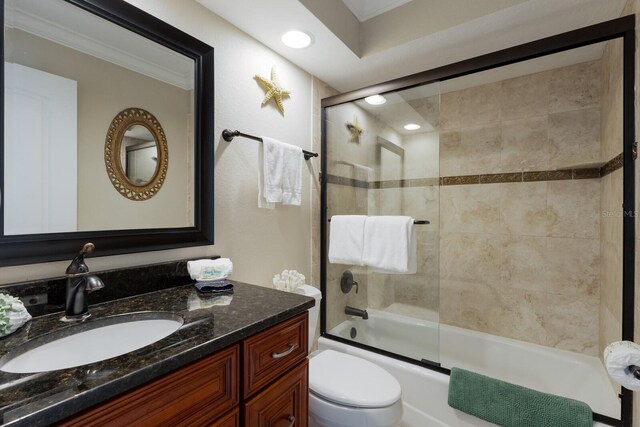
(44,398)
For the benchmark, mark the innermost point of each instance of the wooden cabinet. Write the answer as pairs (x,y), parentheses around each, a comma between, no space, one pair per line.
(269,370)
(232,419)
(269,354)
(192,396)
(284,403)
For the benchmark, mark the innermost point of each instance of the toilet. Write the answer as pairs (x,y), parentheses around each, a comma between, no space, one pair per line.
(345,390)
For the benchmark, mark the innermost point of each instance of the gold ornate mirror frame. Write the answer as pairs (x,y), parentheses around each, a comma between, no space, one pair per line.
(113,144)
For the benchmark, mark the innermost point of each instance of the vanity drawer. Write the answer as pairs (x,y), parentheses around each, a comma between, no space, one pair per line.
(270,353)
(195,395)
(284,403)
(232,419)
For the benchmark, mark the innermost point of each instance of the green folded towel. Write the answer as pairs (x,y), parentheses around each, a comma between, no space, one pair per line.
(511,405)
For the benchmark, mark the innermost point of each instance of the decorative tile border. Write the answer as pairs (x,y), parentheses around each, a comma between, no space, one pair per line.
(350,182)
(494,178)
(612,165)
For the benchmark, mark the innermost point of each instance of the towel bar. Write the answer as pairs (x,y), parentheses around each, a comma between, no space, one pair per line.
(229,134)
(417,221)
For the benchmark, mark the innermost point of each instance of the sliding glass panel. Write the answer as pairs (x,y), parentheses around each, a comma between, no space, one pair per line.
(531,230)
(382,160)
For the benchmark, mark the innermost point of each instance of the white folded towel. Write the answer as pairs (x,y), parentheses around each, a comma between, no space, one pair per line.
(210,269)
(280,174)
(346,239)
(390,244)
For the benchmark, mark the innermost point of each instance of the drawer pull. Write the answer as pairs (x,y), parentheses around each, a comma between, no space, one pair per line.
(288,351)
(292,419)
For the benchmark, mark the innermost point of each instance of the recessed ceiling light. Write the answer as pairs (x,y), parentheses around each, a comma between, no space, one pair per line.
(375,100)
(296,39)
(411,126)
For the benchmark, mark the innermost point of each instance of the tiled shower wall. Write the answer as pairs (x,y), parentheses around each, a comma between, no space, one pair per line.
(610,309)
(522,259)
(519,254)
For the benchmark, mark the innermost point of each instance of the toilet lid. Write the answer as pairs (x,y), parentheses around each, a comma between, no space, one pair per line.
(351,381)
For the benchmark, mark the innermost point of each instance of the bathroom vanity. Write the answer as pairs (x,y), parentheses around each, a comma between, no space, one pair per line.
(272,374)
(244,363)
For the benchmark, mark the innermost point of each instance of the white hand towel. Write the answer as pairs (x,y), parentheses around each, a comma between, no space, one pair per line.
(210,269)
(390,244)
(280,177)
(346,239)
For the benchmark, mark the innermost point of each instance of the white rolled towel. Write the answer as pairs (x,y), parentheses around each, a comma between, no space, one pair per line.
(618,358)
(210,269)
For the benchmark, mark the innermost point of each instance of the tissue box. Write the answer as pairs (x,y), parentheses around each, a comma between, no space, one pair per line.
(204,270)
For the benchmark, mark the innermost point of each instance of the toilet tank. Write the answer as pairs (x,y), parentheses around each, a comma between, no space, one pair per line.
(314,312)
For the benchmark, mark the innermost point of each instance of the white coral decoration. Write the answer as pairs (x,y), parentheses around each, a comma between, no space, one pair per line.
(12,314)
(288,280)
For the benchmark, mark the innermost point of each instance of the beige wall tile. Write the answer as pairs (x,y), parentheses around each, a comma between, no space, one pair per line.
(470,208)
(523,208)
(611,120)
(470,107)
(380,294)
(526,96)
(471,258)
(573,267)
(574,137)
(465,305)
(524,263)
(574,87)
(470,151)
(520,315)
(524,145)
(574,208)
(572,323)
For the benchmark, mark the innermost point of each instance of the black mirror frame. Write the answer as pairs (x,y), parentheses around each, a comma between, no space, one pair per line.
(621,28)
(37,248)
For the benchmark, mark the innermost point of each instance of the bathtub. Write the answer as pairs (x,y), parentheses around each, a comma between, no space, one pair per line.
(554,371)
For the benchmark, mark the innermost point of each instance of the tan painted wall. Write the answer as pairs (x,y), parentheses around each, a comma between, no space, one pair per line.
(105,89)
(261,243)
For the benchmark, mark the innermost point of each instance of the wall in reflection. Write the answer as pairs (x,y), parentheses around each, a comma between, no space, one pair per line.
(103,90)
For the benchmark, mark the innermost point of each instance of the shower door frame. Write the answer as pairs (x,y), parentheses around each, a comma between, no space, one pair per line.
(622,28)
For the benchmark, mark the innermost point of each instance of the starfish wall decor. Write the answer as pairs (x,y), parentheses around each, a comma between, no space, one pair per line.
(355,129)
(273,88)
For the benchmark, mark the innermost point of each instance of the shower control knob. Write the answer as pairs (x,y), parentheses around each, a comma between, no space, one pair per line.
(347,282)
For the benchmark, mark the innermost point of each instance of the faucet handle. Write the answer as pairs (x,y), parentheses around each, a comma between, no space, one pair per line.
(78,265)
(87,248)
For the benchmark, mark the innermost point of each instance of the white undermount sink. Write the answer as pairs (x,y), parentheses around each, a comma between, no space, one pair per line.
(90,342)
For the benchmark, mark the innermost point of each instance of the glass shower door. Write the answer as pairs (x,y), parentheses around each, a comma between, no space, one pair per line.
(382,159)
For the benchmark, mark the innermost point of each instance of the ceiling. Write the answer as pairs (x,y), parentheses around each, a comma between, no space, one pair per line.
(75,28)
(411,37)
(367,9)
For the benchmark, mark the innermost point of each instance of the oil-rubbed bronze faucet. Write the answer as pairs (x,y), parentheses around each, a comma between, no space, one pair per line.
(352,311)
(79,283)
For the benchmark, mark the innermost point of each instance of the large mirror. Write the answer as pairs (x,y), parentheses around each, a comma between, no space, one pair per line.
(108,131)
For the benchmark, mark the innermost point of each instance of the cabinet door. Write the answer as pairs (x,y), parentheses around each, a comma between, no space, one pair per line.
(282,404)
(231,419)
(193,396)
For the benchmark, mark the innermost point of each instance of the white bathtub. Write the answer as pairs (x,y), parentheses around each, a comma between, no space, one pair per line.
(424,391)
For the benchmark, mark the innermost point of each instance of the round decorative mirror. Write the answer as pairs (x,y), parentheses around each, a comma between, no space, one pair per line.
(136,154)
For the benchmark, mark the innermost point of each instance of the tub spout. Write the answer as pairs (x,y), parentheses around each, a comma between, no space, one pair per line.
(351,311)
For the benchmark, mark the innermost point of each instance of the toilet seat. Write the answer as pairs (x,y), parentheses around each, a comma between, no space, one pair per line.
(351,381)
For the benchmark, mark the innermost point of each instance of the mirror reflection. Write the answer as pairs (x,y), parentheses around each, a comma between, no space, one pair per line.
(67,75)
(139,155)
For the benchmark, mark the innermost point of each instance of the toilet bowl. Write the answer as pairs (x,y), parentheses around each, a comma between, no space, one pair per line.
(345,390)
